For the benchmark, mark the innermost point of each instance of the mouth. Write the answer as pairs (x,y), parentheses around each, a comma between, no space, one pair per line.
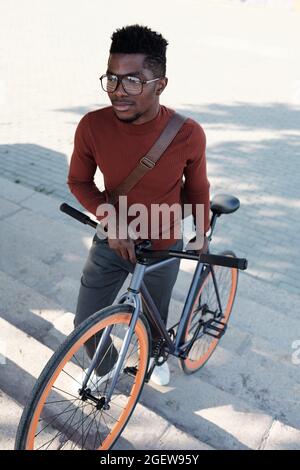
(122,106)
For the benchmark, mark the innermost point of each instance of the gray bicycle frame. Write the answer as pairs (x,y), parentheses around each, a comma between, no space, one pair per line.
(131,297)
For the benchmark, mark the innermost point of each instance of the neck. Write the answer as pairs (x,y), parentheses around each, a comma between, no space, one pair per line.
(148,116)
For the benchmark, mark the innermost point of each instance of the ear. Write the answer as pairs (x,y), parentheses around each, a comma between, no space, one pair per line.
(161,85)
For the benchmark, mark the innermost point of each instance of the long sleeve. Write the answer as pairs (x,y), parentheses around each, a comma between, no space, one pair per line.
(196,181)
(83,168)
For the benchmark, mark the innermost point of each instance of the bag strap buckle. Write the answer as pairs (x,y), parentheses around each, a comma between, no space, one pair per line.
(147,162)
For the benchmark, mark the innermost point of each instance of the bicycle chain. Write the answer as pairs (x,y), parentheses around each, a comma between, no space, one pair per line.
(159,352)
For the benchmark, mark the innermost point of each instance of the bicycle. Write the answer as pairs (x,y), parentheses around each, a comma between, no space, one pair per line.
(94,416)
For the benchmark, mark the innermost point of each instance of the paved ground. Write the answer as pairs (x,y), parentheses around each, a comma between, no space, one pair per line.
(243,86)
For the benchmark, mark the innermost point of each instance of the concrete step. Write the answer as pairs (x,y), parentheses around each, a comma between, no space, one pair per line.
(257,368)
(37,202)
(24,360)
(11,412)
(258,380)
(60,236)
(282,437)
(26,309)
(249,287)
(147,430)
(270,295)
(37,266)
(218,416)
(233,390)
(265,322)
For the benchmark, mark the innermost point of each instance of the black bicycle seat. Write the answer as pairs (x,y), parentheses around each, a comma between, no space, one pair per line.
(224,204)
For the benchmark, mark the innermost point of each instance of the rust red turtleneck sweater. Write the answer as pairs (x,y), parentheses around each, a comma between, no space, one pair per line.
(116,147)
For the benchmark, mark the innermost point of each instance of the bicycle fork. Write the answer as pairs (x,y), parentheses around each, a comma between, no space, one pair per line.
(132,298)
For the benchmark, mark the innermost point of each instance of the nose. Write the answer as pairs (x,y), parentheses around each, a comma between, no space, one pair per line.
(119,91)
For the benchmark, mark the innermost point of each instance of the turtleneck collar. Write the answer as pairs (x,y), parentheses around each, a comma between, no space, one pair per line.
(146,127)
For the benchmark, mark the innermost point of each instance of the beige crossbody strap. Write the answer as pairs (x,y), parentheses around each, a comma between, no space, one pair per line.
(149,161)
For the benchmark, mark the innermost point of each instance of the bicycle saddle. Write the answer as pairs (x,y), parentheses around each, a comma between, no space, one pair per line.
(224,204)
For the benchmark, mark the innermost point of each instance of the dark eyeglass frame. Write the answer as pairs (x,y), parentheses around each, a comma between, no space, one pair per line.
(120,79)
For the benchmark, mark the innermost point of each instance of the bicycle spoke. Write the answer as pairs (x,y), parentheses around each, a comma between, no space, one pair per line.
(97,432)
(87,433)
(58,401)
(63,370)
(59,432)
(102,416)
(80,424)
(66,410)
(63,391)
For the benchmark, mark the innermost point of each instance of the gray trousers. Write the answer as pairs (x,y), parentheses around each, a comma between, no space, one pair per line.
(103,276)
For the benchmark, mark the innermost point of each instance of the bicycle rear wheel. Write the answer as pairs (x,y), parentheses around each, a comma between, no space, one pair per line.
(57,416)
(205,309)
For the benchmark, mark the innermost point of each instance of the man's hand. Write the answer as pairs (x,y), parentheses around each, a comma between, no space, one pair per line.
(121,239)
(195,246)
(124,248)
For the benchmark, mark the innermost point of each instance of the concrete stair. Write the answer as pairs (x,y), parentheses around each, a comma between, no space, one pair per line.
(25,359)
(247,396)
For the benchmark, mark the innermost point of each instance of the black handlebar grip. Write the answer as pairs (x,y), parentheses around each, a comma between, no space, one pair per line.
(75,213)
(226,261)
(243,264)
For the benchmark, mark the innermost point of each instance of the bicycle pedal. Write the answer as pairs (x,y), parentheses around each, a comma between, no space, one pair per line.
(132,371)
(215,328)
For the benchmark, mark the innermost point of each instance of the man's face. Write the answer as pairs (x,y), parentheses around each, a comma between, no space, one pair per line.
(134,108)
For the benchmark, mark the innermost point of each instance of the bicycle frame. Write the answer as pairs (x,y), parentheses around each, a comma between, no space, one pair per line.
(131,297)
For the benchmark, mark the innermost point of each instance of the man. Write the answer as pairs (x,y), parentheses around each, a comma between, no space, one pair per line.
(115,139)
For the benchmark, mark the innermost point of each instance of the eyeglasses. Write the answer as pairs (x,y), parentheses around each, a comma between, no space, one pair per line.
(131,85)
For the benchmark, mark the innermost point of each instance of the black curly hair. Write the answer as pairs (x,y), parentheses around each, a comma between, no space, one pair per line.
(137,39)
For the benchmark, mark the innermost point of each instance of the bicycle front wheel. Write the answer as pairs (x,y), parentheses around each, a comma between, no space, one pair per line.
(205,309)
(57,416)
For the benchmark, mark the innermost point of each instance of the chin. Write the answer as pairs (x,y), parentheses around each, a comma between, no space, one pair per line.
(132,118)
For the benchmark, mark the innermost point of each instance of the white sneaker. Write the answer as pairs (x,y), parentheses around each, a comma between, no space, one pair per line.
(160,374)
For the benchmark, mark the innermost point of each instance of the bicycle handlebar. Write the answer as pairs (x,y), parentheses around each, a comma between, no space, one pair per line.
(207,258)
(226,261)
(80,216)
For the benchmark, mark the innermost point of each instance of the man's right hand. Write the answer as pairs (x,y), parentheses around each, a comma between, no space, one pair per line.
(124,248)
